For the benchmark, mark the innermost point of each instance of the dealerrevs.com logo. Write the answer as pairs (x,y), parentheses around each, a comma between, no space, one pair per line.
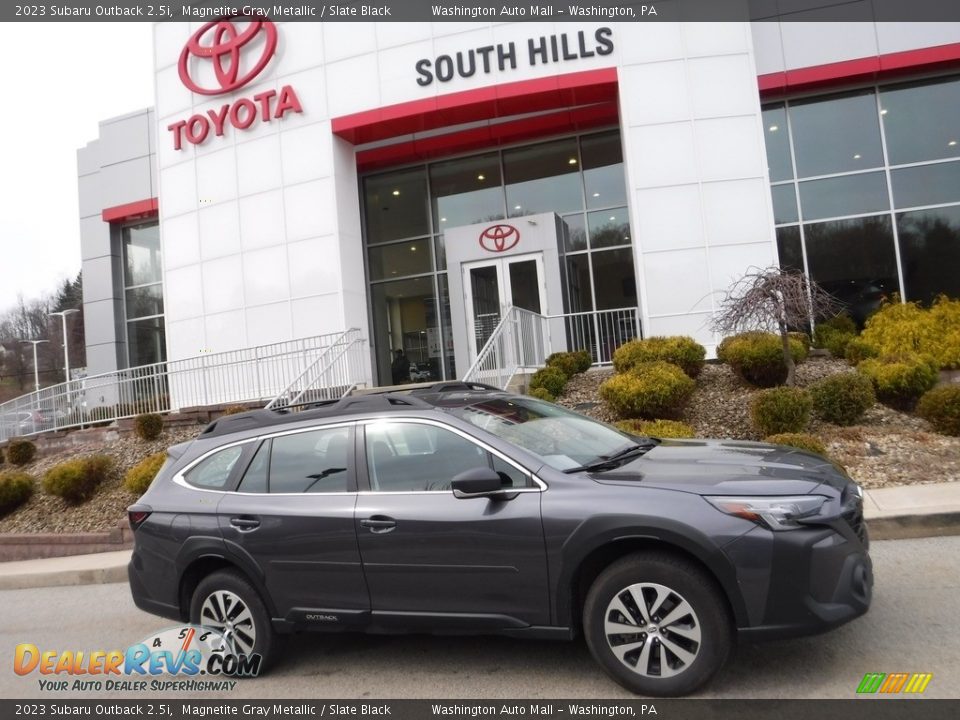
(185,652)
(221,57)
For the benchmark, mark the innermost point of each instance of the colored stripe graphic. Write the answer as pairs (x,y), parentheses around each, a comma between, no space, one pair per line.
(894,683)
(918,683)
(871,682)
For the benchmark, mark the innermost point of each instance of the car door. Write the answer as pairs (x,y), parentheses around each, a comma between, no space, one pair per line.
(436,561)
(292,516)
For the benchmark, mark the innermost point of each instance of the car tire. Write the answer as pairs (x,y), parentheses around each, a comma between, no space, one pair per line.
(685,639)
(208,602)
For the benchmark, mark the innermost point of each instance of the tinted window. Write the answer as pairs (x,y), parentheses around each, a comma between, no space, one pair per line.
(921,121)
(845,195)
(788,247)
(778,143)
(839,134)
(407,457)
(255,478)
(543,178)
(396,205)
(930,252)
(315,461)
(603,176)
(784,203)
(215,470)
(936,184)
(466,191)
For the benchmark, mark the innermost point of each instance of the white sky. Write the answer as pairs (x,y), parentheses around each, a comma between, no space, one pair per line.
(59,81)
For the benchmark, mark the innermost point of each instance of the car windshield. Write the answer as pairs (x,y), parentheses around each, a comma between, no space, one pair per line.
(562,438)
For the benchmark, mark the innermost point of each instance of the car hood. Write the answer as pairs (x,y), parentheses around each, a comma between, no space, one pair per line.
(729,467)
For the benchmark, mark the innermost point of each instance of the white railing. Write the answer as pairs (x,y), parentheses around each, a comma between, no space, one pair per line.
(333,374)
(523,340)
(251,375)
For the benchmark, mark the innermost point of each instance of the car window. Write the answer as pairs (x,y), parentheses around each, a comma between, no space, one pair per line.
(315,461)
(255,478)
(414,457)
(214,471)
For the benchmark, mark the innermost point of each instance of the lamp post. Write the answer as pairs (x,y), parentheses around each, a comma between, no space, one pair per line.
(36,371)
(66,351)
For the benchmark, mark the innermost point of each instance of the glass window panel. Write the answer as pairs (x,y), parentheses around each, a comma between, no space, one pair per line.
(144,301)
(446,340)
(609,228)
(397,260)
(789,249)
(255,478)
(926,184)
(525,285)
(838,134)
(855,261)
(215,470)
(574,232)
(543,178)
(921,122)
(405,319)
(614,281)
(146,342)
(784,203)
(410,457)
(441,252)
(930,252)
(846,195)
(778,143)
(395,205)
(603,177)
(579,297)
(510,475)
(466,191)
(141,245)
(314,461)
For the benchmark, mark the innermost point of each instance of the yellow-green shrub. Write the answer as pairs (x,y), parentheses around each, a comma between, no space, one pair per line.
(234,410)
(832,339)
(541,394)
(15,489)
(148,426)
(935,331)
(781,410)
(571,362)
(20,452)
(843,398)
(77,480)
(140,476)
(859,350)
(650,390)
(757,357)
(657,428)
(798,440)
(551,379)
(802,338)
(902,378)
(682,351)
(941,408)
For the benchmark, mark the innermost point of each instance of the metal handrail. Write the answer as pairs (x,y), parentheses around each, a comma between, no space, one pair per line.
(320,358)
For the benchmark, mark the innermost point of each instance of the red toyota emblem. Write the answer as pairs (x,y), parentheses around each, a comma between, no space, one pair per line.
(498,238)
(225,43)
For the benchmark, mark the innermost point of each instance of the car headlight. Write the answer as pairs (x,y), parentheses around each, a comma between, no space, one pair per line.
(775,513)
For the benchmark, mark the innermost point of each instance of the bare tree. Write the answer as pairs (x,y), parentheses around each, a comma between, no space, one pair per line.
(774,300)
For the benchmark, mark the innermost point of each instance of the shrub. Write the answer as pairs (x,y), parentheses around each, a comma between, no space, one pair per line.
(682,351)
(802,338)
(781,410)
(859,350)
(832,339)
(234,410)
(657,428)
(20,452)
(77,480)
(898,327)
(757,357)
(798,440)
(15,489)
(541,394)
(148,426)
(1,456)
(570,363)
(840,322)
(941,407)
(551,379)
(843,398)
(650,390)
(901,379)
(140,476)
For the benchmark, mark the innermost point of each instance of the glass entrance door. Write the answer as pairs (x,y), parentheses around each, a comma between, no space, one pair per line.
(492,286)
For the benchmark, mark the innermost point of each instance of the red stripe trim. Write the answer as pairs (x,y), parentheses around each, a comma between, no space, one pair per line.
(877,67)
(131,211)
(557,91)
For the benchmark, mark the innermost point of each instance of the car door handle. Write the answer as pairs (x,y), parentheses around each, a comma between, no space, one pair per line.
(379,523)
(245,523)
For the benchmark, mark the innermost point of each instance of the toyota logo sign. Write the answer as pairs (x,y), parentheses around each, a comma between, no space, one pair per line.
(499,238)
(222,48)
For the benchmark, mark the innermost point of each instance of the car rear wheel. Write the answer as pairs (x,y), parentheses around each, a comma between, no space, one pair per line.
(228,603)
(657,624)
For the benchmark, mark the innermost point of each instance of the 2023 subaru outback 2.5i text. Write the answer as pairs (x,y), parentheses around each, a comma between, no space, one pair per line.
(460,509)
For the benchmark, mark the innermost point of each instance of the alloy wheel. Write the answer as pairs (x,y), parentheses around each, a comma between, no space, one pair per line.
(227,613)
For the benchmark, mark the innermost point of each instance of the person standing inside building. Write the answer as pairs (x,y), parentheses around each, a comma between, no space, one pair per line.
(400,369)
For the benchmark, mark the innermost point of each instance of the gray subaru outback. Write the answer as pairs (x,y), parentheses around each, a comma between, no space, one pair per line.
(460,509)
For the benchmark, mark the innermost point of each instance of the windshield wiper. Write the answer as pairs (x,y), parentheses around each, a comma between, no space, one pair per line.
(608,462)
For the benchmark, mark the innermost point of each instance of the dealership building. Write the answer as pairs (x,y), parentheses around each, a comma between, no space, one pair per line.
(412,181)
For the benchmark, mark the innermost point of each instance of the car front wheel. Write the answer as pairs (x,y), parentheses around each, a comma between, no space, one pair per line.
(657,624)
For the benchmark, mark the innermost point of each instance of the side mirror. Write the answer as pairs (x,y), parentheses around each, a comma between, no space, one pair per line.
(477,482)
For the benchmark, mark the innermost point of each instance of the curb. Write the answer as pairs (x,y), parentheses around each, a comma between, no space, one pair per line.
(904,527)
